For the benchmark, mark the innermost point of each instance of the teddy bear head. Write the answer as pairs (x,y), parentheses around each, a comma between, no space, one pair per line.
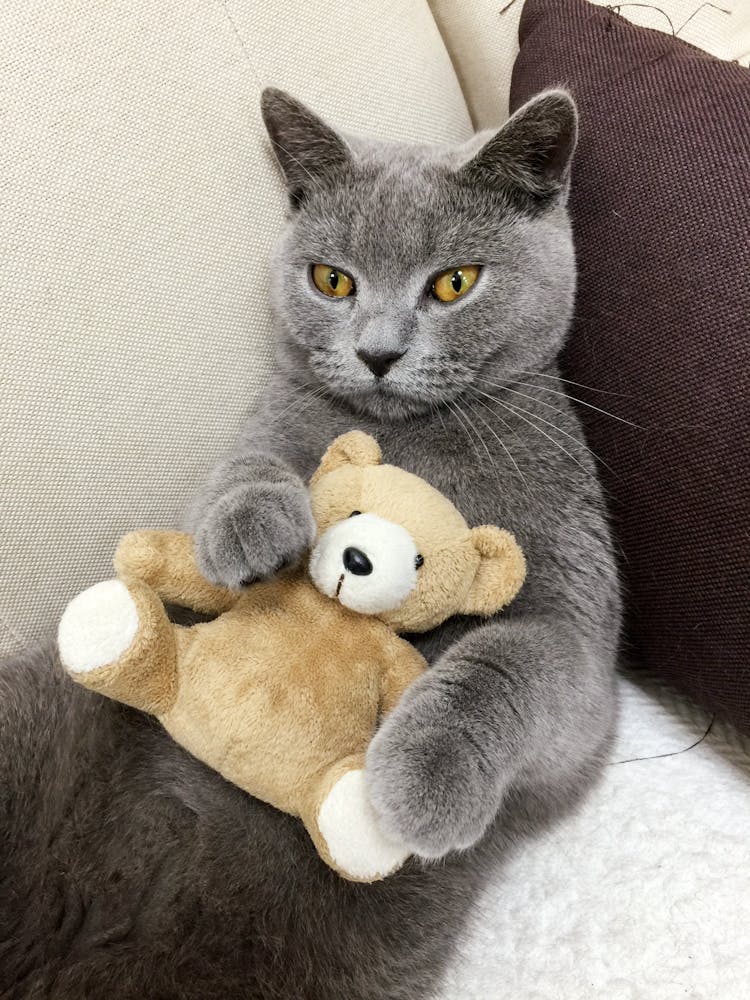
(392,546)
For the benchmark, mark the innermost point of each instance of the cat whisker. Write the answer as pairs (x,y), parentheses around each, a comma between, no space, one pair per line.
(298,406)
(560,430)
(439,411)
(500,441)
(454,408)
(519,411)
(490,458)
(525,395)
(502,369)
(557,392)
(568,381)
(308,384)
(582,402)
(300,399)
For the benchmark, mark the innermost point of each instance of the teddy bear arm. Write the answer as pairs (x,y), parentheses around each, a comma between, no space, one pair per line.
(404,665)
(165,560)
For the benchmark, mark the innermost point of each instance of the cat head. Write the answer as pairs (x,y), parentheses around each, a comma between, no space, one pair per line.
(406,273)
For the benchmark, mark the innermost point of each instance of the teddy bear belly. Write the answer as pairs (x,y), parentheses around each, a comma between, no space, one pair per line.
(269,708)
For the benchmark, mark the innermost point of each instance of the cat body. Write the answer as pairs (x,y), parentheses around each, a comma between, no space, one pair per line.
(130,869)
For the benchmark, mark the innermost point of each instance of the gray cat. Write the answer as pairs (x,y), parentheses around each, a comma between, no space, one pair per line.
(422,295)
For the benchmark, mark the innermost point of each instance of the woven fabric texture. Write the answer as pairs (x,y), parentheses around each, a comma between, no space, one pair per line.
(482,38)
(138,204)
(661,211)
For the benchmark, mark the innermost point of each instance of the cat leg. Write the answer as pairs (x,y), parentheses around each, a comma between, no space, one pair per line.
(344,827)
(516,710)
(116,638)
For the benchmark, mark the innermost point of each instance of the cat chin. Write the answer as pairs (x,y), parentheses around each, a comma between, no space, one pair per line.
(386,401)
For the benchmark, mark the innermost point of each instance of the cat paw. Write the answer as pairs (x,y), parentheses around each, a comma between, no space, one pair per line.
(252,532)
(97,627)
(432,781)
(349,827)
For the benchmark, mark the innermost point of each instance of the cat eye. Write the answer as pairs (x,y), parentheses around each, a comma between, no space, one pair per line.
(419,561)
(455,282)
(355,513)
(331,281)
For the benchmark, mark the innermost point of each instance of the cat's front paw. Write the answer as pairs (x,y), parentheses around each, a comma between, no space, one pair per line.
(431,776)
(253,531)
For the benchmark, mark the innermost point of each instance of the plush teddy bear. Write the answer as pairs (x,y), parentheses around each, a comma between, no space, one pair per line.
(283,691)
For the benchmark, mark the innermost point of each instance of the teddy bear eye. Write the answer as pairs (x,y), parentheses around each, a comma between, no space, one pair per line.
(354,513)
(419,561)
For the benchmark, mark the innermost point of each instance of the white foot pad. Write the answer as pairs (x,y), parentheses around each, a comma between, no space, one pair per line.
(97,627)
(350,827)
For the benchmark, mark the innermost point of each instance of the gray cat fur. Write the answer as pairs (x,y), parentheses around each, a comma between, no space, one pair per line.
(129,869)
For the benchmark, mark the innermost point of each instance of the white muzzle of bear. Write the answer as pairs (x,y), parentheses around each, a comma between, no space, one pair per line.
(366,562)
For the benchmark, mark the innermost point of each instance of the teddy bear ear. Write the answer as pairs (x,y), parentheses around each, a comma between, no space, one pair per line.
(500,573)
(354,448)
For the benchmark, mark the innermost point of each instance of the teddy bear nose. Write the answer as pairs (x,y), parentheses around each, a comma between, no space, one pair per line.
(357,562)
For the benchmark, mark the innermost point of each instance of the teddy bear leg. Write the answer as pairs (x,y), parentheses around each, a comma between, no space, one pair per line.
(116,638)
(344,827)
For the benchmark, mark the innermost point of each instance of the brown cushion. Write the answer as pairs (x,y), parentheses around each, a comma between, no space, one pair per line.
(661,210)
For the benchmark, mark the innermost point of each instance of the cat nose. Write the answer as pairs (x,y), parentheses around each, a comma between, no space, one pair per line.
(357,562)
(379,362)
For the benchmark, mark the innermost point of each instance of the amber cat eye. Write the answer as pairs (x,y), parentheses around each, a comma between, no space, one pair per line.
(331,281)
(453,283)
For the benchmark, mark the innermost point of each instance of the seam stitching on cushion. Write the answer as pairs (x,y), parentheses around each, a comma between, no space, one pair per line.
(238,35)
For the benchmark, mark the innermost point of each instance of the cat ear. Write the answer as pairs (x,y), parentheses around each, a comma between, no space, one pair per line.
(529,158)
(500,573)
(309,151)
(353,448)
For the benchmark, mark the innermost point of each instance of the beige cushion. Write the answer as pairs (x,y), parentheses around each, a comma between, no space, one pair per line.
(139,202)
(482,38)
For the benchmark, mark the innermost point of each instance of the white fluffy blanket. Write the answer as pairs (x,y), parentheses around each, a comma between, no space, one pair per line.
(644,894)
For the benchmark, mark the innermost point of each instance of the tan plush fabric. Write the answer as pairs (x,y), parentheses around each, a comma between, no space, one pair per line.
(482,38)
(283,691)
(138,204)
